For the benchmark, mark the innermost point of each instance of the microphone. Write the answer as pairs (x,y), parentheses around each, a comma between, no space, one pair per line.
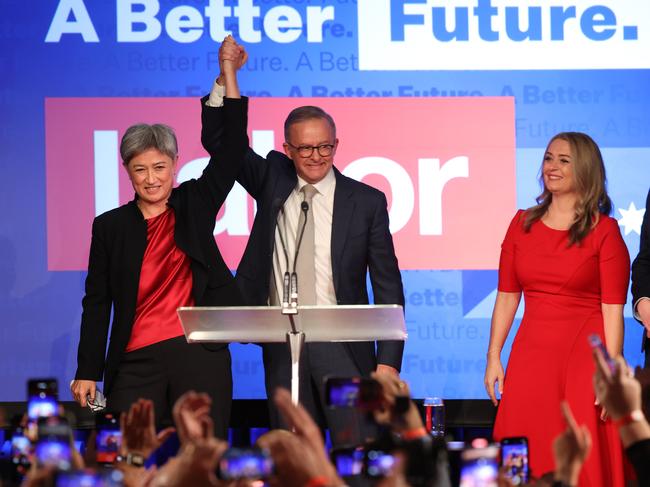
(304,206)
(286,277)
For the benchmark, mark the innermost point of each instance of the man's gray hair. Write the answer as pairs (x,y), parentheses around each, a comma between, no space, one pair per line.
(142,137)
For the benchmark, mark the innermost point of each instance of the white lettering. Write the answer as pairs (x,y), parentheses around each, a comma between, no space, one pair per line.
(127,19)
(432,180)
(105,150)
(316,17)
(400,184)
(184,24)
(283,24)
(247,13)
(80,25)
(217,13)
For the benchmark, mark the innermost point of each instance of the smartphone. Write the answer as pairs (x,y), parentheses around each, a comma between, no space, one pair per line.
(108,439)
(596,342)
(479,467)
(89,478)
(378,463)
(20,451)
(348,461)
(347,392)
(514,459)
(54,444)
(245,463)
(42,395)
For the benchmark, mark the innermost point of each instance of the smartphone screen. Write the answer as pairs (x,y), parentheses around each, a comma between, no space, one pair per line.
(41,398)
(54,444)
(348,461)
(20,450)
(596,342)
(514,459)
(108,439)
(479,467)
(378,463)
(245,463)
(342,392)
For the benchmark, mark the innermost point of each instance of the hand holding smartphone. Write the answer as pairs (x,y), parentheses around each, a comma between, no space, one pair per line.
(54,444)
(108,439)
(353,392)
(245,463)
(596,343)
(42,398)
(514,459)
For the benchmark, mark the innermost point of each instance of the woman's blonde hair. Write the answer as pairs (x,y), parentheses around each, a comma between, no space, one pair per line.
(590,185)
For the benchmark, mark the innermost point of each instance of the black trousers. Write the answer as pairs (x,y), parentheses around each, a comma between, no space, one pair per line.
(347,426)
(164,371)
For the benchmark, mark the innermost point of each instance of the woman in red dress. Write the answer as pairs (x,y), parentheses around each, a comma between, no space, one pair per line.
(568,258)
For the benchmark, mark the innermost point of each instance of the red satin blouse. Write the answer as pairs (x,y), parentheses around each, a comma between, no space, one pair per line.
(165,284)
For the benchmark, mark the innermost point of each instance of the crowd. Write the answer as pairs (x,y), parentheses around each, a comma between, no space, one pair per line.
(298,458)
(157,253)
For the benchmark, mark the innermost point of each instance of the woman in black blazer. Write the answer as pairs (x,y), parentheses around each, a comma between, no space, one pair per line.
(149,257)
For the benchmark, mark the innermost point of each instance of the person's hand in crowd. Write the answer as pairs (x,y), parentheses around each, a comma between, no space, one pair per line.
(81,389)
(231,56)
(386,369)
(190,413)
(138,428)
(138,477)
(294,465)
(617,391)
(570,449)
(195,465)
(494,376)
(396,409)
(200,451)
(310,446)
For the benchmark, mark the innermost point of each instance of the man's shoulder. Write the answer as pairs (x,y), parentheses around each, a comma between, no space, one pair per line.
(358,188)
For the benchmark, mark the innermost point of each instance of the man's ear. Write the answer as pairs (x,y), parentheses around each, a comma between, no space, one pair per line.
(287,150)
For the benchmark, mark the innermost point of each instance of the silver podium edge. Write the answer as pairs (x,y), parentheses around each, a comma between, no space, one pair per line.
(267,324)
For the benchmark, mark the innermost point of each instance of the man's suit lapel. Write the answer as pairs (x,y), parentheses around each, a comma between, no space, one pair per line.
(341,217)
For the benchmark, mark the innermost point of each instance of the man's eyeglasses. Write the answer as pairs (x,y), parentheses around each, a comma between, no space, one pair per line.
(324,150)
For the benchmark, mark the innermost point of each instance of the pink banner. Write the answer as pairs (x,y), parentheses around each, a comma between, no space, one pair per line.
(447,166)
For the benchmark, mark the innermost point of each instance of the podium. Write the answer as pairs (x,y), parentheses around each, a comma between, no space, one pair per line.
(267,324)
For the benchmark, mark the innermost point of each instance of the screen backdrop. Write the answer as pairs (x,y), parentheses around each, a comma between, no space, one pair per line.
(446,106)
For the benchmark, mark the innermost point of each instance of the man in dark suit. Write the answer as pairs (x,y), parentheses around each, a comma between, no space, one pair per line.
(641,281)
(351,237)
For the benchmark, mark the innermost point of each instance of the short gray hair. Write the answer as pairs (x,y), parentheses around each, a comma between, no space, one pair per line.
(142,137)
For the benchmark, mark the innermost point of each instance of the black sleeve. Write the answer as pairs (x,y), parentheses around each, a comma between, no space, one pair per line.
(218,135)
(386,279)
(96,313)
(225,162)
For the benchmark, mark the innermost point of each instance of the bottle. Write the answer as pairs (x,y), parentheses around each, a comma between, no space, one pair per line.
(434,408)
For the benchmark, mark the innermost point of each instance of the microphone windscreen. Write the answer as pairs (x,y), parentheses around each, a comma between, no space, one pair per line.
(304,206)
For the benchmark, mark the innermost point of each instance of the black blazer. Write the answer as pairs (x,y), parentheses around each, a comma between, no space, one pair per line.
(361,240)
(119,239)
(641,265)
